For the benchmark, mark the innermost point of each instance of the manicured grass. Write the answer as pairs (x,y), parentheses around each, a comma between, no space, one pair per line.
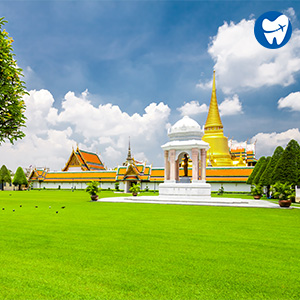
(99,250)
(236,195)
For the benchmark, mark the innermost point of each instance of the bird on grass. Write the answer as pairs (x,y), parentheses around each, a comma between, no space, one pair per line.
(13,210)
(20,205)
(63,207)
(36,206)
(3,208)
(57,212)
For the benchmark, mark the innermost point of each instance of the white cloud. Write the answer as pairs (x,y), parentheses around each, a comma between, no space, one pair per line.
(50,134)
(242,63)
(112,153)
(231,106)
(290,13)
(38,110)
(192,108)
(141,156)
(205,85)
(266,143)
(31,78)
(108,120)
(52,150)
(291,101)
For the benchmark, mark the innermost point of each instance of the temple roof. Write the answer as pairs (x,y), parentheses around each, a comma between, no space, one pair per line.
(213,117)
(86,161)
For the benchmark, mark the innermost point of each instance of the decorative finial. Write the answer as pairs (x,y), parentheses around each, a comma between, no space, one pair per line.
(129,150)
(214,81)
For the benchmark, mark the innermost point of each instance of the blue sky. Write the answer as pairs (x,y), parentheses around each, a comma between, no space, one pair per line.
(93,67)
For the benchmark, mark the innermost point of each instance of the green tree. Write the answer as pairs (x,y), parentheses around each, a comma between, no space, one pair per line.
(20,178)
(256,170)
(4,176)
(259,173)
(12,89)
(266,177)
(287,169)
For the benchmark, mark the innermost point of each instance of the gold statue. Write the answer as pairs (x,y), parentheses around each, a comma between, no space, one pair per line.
(185,165)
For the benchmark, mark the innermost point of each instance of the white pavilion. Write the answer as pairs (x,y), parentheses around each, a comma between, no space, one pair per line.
(185,139)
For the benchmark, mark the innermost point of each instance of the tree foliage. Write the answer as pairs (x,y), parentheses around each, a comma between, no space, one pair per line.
(287,169)
(259,173)
(256,169)
(4,176)
(12,89)
(20,178)
(266,177)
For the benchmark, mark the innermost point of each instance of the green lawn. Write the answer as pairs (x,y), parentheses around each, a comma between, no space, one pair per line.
(144,251)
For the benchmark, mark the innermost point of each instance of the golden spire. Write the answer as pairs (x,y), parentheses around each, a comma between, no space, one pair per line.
(213,117)
(129,151)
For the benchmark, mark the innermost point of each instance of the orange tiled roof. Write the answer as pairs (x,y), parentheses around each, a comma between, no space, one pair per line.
(37,174)
(85,160)
(92,160)
(102,176)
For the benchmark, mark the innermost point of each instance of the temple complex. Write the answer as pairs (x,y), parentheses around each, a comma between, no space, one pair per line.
(226,164)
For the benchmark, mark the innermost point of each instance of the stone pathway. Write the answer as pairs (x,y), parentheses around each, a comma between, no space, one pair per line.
(236,202)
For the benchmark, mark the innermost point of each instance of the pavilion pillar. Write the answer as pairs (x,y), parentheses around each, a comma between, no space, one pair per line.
(195,161)
(203,165)
(167,165)
(172,153)
(177,170)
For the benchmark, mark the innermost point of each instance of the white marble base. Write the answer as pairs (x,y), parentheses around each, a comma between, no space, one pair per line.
(197,190)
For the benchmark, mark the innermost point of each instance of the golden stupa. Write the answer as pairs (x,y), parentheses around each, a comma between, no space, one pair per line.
(218,155)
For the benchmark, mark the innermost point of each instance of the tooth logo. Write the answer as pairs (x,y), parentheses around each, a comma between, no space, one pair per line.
(273,30)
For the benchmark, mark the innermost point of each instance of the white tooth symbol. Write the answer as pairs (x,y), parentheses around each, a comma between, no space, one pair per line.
(276,29)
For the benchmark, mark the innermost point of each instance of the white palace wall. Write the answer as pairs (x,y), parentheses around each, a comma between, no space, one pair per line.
(215,186)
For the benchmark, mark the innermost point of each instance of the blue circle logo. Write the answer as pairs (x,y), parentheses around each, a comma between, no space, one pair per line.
(273,29)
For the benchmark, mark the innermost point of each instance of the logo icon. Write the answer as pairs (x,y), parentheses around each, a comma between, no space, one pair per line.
(273,29)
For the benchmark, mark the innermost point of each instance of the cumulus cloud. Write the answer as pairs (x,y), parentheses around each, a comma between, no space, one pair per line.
(266,143)
(291,101)
(207,85)
(51,133)
(38,111)
(231,106)
(192,108)
(107,120)
(242,63)
(290,13)
(112,153)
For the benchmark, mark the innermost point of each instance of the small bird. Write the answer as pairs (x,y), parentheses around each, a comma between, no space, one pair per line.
(57,212)
(3,208)
(36,206)
(63,207)
(13,210)
(20,205)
